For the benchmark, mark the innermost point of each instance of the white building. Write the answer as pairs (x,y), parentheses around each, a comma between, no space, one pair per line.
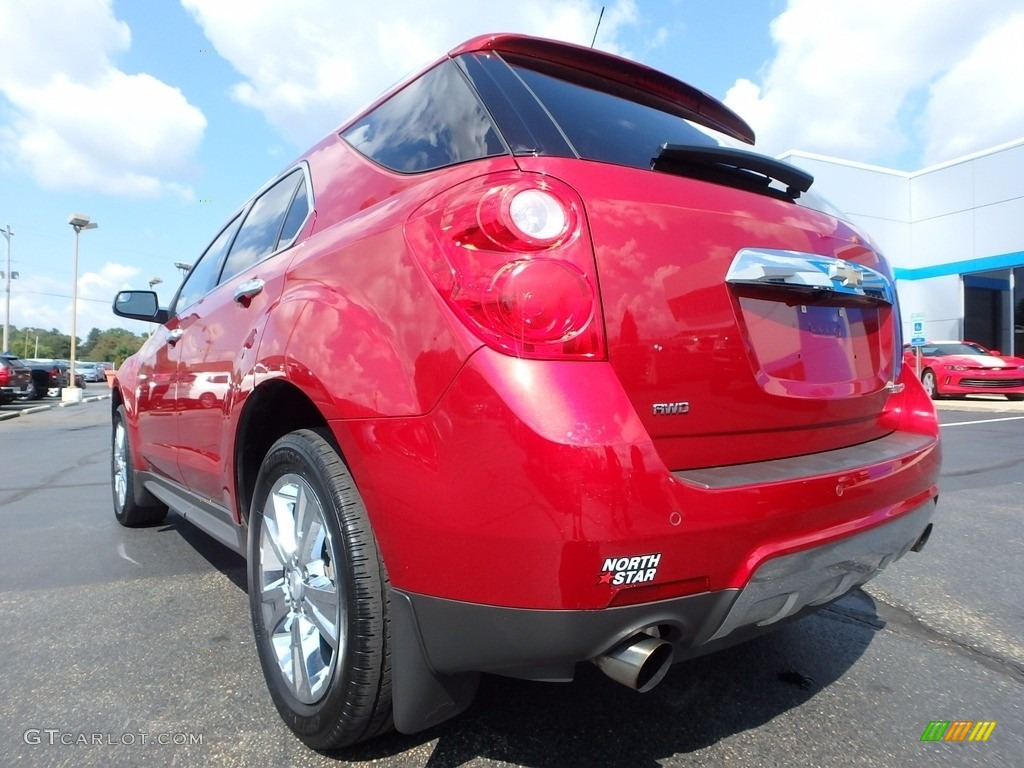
(954,234)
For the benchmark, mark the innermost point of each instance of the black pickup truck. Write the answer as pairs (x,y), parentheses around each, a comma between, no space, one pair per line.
(50,376)
(45,377)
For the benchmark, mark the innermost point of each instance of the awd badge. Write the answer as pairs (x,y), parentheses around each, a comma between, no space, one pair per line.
(669,409)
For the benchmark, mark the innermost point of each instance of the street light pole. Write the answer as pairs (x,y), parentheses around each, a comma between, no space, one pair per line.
(153,281)
(71,392)
(7,278)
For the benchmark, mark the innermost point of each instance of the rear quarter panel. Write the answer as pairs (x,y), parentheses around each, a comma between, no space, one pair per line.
(359,328)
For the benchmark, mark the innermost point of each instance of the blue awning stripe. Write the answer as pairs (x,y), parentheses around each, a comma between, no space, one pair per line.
(984,264)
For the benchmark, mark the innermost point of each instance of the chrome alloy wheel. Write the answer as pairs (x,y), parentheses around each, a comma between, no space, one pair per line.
(120,465)
(299,593)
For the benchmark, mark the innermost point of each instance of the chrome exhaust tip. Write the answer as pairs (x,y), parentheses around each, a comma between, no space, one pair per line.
(640,663)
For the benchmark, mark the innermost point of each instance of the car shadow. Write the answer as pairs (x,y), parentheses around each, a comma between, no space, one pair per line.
(225,560)
(594,721)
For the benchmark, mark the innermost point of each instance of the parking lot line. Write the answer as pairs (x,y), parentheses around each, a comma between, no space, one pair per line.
(981,421)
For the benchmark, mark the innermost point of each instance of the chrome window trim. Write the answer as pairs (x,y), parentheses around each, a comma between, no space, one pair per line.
(240,213)
(222,278)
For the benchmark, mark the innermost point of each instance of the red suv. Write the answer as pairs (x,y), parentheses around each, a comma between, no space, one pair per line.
(531,363)
(15,379)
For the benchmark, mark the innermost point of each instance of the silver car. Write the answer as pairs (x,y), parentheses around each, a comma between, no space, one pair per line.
(90,372)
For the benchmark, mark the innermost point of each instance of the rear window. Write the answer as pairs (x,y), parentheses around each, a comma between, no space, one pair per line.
(434,122)
(602,126)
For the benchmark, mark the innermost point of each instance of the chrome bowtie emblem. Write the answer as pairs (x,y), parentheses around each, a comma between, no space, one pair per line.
(846,273)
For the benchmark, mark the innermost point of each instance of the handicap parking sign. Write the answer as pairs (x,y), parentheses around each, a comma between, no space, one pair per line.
(917,322)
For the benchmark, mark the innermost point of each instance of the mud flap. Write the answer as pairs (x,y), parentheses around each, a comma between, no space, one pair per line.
(421,697)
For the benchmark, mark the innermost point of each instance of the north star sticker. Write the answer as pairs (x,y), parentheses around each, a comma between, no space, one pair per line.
(637,569)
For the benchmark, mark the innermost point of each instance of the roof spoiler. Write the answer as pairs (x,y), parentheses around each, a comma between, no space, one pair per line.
(662,91)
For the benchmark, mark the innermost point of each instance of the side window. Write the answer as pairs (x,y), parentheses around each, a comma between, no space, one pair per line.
(431,123)
(203,276)
(296,215)
(259,235)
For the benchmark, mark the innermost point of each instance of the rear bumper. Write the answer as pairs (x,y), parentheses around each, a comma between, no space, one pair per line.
(529,523)
(530,479)
(440,645)
(9,393)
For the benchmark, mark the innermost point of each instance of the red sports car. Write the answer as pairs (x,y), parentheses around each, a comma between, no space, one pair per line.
(529,364)
(967,368)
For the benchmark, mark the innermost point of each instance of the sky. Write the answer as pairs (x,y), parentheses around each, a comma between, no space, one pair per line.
(159,118)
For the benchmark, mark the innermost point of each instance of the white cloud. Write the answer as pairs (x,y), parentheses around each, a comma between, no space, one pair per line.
(36,303)
(78,121)
(854,79)
(309,64)
(113,277)
(979,101)
(47,36)
(96,291)
(40,301)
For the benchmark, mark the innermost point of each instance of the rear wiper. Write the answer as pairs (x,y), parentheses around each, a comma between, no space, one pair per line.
(733,167)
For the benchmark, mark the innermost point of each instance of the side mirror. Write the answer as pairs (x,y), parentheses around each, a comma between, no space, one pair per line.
(139,305)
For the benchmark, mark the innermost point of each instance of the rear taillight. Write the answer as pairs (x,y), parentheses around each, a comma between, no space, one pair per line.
(5,375)
(511,255)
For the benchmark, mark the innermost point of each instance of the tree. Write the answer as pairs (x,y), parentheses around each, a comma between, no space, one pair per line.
(90,341)
(36,342)
(112,345)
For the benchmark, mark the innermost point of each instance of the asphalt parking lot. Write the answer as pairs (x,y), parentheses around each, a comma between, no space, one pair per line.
(18,408)
(133,647)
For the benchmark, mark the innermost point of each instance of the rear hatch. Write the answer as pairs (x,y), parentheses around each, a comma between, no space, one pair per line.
(744,325)
(732,343)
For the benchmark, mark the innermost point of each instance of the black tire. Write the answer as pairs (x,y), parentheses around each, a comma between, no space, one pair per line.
(930,384)
(122,479)
(1015,398)
(40,382)
(332,587)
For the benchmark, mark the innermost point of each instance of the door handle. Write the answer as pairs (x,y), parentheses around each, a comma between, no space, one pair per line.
(173,337)
(245,291)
